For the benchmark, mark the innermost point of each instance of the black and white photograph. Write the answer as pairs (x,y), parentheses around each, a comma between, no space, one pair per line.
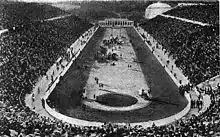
(109,68)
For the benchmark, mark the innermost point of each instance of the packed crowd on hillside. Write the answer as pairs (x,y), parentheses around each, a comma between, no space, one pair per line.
(21,123)
(27,52)
(17,13)
(202,13)
(194,48)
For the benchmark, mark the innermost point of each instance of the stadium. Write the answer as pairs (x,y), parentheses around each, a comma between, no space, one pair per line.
(109,69)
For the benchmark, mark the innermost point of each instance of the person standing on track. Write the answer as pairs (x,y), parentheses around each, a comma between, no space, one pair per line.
(43,102)
(33,99)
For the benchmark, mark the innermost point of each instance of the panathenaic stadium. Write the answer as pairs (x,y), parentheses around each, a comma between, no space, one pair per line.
(109,69)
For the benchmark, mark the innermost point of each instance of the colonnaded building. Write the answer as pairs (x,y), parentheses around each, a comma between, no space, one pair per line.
(116,22)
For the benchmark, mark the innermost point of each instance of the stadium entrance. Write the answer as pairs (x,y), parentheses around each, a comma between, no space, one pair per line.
(116,22)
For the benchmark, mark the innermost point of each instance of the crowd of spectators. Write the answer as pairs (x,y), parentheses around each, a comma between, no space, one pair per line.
(27,52)
(195,51)
(26,123)
(194,48)
(202,13)
(17,13)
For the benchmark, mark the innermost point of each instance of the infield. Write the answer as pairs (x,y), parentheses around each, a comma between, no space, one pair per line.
(116,100)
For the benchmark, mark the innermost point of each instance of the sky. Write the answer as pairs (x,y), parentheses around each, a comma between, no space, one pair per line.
(97,0)
(59,0)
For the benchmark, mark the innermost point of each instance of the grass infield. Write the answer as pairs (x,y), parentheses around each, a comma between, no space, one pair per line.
(116,100)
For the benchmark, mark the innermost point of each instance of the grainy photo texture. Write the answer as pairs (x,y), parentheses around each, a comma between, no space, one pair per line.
(112,68)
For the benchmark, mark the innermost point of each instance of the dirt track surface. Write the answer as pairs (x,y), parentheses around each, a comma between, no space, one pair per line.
(120,78)
(150,73)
